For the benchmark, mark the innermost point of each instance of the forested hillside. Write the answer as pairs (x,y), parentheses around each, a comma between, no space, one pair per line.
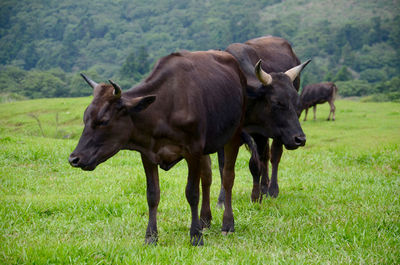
(44,44)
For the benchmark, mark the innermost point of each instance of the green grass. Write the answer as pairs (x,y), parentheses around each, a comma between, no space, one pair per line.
(338,201)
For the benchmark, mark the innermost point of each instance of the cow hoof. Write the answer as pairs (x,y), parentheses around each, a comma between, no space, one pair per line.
(228,228)
(255,196)
(273,192)
(225,233)
(197,240)
(264,190)
(257,199)
(151,241)
(205,222)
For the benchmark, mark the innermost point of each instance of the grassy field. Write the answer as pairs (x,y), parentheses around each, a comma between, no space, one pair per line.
(338,201)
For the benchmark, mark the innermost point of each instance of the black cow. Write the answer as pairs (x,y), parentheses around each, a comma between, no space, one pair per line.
(314,94)
(276,115)
(192,104)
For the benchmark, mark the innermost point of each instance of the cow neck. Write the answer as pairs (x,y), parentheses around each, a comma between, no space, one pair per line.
(254,123)
(142,89)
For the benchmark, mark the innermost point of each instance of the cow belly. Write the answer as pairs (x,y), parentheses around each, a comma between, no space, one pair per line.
(321,101)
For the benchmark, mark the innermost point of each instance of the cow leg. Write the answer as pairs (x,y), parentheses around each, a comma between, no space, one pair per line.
(221,197)
(332,110)
(153,198)
(206,179)
(305,115)
(263,150)
(255,169)
(193,195)
(276,154)
(315,112)
(230,153)
(255,172)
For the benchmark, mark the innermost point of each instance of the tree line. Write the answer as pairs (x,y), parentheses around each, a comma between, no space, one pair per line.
(45,44)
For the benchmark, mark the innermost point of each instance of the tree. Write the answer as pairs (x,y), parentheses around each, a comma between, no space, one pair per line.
(347,54)
(243,28)
(373,75)
(135,65)
(42,84)
(354,88)
(142,63)
(129,68)
(394,35)
(328,77)
(392,85)
(30,56)
(343,75)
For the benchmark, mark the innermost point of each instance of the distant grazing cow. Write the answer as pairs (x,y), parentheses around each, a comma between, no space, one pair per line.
(191,105)
(275,116)
(317,94)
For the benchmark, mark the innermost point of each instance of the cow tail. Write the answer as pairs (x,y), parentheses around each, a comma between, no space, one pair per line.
(335,90)
(252,147)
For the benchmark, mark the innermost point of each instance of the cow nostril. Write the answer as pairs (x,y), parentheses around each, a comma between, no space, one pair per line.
(300,140)
(73,160)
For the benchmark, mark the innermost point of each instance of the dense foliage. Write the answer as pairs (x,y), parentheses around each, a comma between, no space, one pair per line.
(45,44)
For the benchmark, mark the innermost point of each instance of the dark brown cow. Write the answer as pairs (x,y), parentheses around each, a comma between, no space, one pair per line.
(277,114)
(314,94)
(191,105)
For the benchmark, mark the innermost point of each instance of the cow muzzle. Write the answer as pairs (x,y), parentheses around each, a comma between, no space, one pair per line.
(75,161)
(300,140)
(296,142)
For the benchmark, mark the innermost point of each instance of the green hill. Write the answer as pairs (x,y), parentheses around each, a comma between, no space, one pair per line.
(44,44)
(337,13)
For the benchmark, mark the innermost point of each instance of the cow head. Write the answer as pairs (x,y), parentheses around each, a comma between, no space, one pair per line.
(108,124)
(282,105)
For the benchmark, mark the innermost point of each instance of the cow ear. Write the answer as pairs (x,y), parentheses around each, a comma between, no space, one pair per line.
(138,104)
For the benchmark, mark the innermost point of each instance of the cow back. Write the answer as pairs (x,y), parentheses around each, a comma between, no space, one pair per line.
(200,98)
(313,94)
(276,53)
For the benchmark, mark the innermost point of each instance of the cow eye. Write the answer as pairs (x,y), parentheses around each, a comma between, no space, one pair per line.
(280,105)
(101,123)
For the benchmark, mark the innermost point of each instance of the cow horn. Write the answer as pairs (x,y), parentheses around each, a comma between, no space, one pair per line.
(295,71)
(117,89)
(89,81)
(264,77)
